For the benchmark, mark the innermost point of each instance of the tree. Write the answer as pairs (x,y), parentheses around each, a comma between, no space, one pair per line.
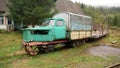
(82,6)
(115,20)
(30,11)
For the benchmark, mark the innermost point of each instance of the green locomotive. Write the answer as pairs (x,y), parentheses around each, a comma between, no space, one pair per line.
(62,28)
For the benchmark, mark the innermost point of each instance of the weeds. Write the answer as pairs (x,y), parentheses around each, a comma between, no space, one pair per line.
(11,56)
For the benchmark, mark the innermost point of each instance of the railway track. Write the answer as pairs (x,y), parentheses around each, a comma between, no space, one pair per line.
(114,66)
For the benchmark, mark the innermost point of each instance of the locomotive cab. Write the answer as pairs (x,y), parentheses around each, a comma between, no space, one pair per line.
(51,29)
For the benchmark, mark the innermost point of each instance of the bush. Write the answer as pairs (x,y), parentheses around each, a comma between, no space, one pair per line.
(3,31)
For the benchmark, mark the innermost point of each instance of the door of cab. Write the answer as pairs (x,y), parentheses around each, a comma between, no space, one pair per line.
(60,29)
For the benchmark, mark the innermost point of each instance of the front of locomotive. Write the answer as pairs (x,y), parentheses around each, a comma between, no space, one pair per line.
(43,33)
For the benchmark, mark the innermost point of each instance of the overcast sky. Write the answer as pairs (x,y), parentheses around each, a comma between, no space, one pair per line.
(108,3)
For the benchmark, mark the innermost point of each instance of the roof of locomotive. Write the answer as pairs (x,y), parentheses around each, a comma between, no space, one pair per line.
(69,13)
(39,28)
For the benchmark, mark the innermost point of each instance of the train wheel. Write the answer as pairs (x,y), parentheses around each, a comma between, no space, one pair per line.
(83,41)
(77,43)
(69,44)
(51,47)
(46,50)
(31,50)
(74,44)
(80,43)
(40,49)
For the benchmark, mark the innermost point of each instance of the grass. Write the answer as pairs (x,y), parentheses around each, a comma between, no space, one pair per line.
(11,56)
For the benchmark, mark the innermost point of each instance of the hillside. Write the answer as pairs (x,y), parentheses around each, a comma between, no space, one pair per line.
(103,15)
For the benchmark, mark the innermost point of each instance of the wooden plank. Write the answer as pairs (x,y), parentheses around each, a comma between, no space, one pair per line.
(88,33)
(80,34)
(74,35)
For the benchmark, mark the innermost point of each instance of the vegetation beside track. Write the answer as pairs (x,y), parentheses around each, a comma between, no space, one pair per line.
(12,56)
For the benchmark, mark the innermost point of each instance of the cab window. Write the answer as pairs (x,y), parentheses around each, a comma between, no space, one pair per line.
(48,23)
(51,23)
(59,23)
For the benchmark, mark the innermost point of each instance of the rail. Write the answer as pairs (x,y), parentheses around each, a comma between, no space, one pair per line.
(114,66)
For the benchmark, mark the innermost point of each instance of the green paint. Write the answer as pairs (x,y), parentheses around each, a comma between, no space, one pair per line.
(46,33)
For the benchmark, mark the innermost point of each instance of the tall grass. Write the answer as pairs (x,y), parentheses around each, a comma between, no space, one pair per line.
(11,56)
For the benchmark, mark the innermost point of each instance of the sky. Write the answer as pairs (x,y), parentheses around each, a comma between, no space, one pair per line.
(107,3)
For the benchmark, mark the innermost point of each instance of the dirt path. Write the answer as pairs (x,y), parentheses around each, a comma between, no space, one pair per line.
(104,51)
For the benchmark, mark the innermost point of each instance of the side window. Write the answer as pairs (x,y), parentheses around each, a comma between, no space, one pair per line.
(9,22)
(1,20)
(59,23)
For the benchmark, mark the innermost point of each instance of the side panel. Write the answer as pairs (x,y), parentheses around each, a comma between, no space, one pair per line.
(88,33)
(80,23)
(80,34)
(75,21)
(74,35)
(43,37)
(26,35)
(79,26)
(60,33)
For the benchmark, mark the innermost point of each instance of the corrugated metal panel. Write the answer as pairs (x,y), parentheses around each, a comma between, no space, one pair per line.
(75,21)
(80,22)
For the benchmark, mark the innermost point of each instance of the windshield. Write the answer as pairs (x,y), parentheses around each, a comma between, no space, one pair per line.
(48,23)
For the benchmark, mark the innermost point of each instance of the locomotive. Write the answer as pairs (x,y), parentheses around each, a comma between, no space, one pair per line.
(64,28)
